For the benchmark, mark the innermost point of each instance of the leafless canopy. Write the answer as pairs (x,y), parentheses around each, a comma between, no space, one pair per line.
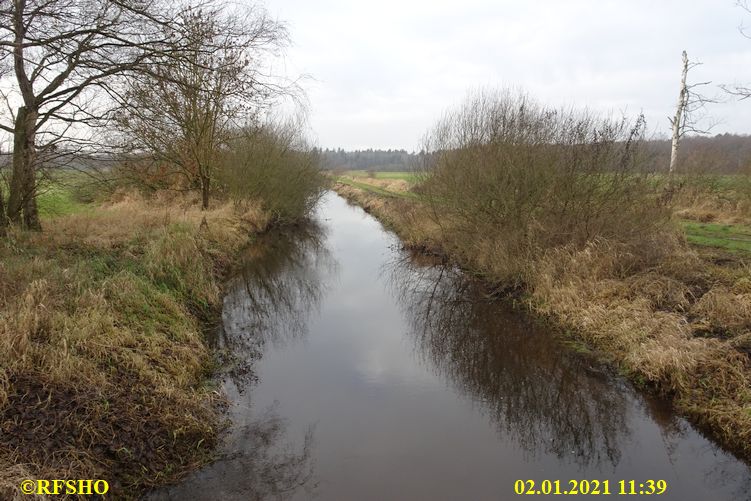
(60,62)
(741,91)
(186,108)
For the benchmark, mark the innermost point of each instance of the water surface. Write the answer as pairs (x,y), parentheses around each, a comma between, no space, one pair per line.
(358,372)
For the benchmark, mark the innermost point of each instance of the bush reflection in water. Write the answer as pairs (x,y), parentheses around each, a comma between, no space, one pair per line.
(278,282)
(547,401)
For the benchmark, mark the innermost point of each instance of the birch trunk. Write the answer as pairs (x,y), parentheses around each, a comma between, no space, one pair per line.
(679,111)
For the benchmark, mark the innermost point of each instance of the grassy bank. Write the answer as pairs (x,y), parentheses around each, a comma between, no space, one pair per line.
(715,211)
(103,363)
(678,322)
(410,177)
(387,188)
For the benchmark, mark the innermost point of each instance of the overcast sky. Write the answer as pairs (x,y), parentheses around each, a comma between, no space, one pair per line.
(385,70)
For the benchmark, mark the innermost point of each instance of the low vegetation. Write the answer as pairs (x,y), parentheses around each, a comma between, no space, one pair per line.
(384,187)
(556,208)
(104,361)
(734,238)
(407,176)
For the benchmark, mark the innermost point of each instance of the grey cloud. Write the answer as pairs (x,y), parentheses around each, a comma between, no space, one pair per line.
(385,71)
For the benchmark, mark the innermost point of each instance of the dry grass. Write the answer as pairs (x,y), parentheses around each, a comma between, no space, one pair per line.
(102,358)
(660,330)
(10,473)
(668,317)
(715,199)
(725,311)
(403,216)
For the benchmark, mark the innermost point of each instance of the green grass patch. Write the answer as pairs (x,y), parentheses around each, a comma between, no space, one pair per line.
(407,176)
(410,177)
(60,195)
(718,182)
(57,200)
(732,237)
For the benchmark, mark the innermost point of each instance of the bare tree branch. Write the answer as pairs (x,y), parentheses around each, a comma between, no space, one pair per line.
(64,53)
(184,112)
(689,110)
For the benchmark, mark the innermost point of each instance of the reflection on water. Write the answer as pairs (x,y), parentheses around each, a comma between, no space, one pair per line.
(355,371)
(550,403)
(278,283)
(263,468)
(537,393)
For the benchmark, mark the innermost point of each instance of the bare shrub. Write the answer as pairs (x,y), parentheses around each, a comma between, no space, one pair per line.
(508,176)
(273,163)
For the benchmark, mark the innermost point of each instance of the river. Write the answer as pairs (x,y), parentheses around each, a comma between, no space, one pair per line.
(356,371)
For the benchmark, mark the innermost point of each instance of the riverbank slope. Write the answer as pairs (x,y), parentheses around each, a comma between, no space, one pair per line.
(680,326)
(103,361)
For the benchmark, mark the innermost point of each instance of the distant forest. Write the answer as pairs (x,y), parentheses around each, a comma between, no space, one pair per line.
(383,160)
(723,153)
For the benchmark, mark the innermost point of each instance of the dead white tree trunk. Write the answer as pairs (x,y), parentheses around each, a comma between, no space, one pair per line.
(677,120)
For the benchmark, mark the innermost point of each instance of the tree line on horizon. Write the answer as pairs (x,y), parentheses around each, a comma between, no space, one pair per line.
(719,154)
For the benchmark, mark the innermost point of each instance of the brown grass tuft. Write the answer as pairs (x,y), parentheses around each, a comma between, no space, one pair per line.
(102,358)
(725,310)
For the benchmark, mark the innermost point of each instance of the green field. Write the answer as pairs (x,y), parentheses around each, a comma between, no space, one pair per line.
(731,237)
(410,177)
(57,196)
(376,189)
(57,199)
(66,192)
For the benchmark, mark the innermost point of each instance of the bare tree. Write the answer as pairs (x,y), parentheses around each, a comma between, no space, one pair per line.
(66,58)
(741,91)
(686,118)
(185,111)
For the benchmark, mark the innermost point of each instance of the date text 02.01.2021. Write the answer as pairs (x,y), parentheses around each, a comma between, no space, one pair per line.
(591,487)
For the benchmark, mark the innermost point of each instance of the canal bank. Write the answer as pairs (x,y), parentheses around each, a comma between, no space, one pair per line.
(358,371)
